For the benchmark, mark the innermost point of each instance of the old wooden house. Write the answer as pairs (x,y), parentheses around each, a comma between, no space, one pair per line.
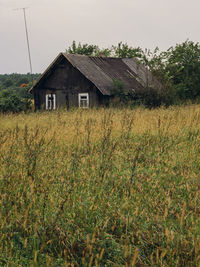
(84,81)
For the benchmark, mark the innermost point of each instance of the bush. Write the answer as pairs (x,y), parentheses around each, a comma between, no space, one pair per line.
(148,97)
(120,96)
(14,101)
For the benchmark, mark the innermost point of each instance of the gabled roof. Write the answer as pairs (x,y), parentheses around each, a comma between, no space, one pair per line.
(101,71)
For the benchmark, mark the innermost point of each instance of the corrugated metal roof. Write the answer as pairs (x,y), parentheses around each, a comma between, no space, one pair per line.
(91,71)
(144,76)
(101,71)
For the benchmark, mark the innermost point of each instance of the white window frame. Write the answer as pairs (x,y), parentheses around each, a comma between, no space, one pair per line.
(87,100)
(50,103)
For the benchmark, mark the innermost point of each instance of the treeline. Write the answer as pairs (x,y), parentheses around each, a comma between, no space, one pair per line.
(14,92)
(178,69)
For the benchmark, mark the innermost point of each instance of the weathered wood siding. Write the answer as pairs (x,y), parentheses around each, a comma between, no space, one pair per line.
(66,82)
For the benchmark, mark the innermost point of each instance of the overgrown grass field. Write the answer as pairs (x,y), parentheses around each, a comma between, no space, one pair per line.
(100,188)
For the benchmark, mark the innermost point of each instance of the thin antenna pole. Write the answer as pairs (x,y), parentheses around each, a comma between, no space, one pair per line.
(27,39)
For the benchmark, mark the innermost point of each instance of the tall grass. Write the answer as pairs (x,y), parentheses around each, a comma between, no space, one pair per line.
(100,188)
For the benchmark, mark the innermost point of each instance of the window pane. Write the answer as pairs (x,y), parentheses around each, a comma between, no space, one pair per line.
(83,103)
(84,97)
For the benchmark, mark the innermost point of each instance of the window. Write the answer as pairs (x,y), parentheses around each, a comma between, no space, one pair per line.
(83,100)
(50,101)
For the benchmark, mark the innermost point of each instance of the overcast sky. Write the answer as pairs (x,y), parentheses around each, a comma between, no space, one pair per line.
(54,24)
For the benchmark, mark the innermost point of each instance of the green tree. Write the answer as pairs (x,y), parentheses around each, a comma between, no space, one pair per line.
(183,65)
(85,49)
(123,50)
(88,50)
(11,101)
(7,83)
(23,80)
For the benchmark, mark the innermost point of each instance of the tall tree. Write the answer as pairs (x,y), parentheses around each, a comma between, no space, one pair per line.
(183,64)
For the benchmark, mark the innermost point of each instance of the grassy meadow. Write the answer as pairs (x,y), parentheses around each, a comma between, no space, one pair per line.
(102,187)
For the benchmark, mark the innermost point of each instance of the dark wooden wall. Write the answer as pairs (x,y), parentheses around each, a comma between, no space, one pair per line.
(66,82)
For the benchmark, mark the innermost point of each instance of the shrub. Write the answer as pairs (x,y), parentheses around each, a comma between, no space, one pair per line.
(148,97)
(14,101)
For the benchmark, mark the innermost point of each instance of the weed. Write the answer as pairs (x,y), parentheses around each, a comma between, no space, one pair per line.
(103,187)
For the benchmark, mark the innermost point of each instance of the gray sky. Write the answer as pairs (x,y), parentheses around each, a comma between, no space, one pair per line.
(54,24)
